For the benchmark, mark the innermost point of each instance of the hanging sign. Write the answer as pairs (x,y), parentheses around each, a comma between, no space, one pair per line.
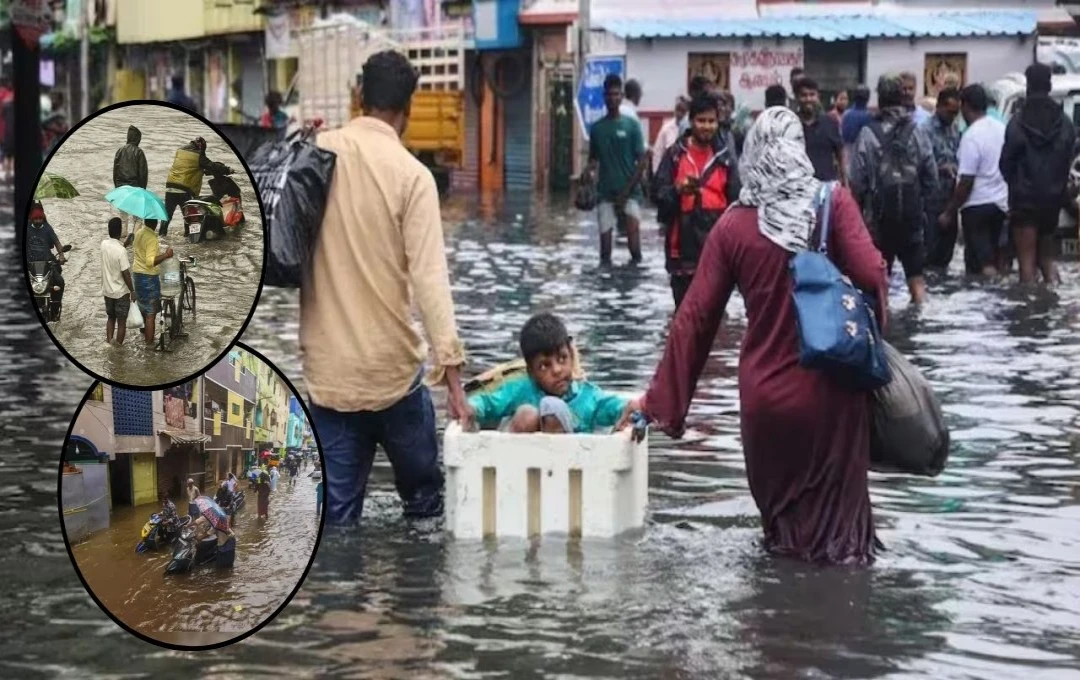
(31,19)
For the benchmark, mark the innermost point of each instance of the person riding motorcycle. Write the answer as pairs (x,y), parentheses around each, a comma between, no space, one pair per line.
(41,240)
(186,175)
(168,508)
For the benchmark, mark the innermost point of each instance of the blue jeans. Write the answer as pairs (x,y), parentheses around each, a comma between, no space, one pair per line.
(406,431)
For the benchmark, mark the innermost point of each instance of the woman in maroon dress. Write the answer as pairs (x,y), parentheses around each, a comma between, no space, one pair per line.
(806,438)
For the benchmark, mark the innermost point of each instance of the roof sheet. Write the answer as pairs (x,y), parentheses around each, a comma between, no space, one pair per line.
(835,27)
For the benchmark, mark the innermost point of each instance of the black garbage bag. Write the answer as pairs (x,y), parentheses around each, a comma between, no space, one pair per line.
(585,195)
(907,429)
(293,177)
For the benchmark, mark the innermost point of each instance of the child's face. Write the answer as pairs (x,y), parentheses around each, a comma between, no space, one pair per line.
(553,372)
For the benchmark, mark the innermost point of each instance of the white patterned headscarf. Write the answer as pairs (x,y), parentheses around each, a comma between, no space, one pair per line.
(778,179)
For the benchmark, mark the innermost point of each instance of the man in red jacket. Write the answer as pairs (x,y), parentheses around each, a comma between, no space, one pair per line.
(696,182)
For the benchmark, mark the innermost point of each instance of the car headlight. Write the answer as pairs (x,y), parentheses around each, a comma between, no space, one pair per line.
(39,284)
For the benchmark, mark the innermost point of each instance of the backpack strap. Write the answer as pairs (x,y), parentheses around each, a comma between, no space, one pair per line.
(823,209)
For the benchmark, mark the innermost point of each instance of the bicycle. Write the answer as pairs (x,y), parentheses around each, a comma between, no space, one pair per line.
(172,310)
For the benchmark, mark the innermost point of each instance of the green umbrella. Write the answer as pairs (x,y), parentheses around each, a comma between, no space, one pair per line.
(54,186)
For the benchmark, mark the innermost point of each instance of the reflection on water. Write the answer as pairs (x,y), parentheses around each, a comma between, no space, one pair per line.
(981,578)
(206,605)
(227,272)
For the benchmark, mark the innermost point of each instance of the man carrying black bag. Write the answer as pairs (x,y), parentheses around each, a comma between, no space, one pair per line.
(379,249)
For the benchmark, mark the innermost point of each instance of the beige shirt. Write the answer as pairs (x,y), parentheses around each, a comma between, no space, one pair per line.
(380,251)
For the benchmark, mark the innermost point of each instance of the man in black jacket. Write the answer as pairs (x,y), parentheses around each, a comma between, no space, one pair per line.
(696,182)
(1035,162)
(129,169)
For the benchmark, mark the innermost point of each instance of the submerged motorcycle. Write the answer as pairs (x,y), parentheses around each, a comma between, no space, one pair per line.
(212,217)
(159,532)
(44,275)
(188,555)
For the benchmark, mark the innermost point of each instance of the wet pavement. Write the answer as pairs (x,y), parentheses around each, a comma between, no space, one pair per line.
(207,604)
(981,578)
(226,274)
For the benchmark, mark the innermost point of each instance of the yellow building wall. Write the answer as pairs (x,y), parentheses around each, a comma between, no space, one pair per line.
(144,478)
(147,21)
(129,85)
(235,17)
(237,418)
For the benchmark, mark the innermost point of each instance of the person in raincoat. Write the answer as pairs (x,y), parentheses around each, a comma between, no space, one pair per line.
(263,490)
(274,474)
(129,169)
(186,177)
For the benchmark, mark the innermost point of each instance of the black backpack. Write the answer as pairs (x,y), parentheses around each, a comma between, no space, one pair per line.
(897,203)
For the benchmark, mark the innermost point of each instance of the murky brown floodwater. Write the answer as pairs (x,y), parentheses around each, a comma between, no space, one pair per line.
(227,272)
(981,579)
(207,604)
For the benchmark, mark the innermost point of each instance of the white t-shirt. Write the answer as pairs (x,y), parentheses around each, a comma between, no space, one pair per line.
(114,262)
(628,109)
(980,151)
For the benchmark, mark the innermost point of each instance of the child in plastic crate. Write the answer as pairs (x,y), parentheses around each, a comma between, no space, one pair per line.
(549,396)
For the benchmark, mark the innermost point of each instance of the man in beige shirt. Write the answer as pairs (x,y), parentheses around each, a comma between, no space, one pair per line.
(379,253)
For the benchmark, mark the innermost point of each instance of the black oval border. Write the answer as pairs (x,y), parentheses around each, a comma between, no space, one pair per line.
(262,274)
(299,583)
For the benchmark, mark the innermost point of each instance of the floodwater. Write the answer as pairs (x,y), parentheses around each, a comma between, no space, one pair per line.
(981,578)
(226,274)
(208,604)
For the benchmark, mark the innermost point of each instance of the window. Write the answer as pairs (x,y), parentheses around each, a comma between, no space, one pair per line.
(236,409)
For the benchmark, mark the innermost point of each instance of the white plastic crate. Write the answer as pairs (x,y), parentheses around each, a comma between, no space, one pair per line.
(523,485)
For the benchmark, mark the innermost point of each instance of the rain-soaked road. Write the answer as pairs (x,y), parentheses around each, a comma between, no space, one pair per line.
(226,275)
(206,605)
(981,579)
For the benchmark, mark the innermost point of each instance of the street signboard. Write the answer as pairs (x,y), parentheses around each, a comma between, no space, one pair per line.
(590,95)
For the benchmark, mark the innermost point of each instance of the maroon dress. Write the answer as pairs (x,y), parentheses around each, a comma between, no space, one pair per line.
(806,439)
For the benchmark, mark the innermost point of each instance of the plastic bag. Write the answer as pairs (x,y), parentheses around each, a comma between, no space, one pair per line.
(907,429)
(135,318)
(585,196)
(293,177)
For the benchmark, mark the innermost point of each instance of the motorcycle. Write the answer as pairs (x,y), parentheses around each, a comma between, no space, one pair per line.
(212,217)
(231,505)
(159,532)
(187,555)
(43,275)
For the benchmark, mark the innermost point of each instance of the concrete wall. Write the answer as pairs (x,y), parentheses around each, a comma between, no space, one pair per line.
(661,66)
(94,422)
(987,58)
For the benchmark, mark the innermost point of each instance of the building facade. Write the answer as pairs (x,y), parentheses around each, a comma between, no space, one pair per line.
(230,394)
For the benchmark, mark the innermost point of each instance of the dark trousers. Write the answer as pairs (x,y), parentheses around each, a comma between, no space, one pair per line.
(984,236)
(406,431)
(680,283)
(172,202)
(940,243)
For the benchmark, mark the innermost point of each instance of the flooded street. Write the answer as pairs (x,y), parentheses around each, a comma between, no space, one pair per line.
(206,605)
(226,275)
(981,578)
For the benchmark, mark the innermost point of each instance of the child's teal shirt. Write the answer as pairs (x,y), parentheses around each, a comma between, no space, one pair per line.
(591,407)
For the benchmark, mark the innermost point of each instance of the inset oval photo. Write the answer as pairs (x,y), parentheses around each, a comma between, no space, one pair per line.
(144,244)
(192,514)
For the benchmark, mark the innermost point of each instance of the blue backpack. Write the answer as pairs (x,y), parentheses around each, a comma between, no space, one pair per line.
(838,332)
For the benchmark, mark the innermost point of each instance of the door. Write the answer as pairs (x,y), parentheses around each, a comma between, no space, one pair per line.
(144,477)
(120,480)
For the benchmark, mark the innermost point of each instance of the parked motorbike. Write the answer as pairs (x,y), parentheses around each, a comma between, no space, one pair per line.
(212,217)
(44,281)
(159,532)
(232,503)
(188,555)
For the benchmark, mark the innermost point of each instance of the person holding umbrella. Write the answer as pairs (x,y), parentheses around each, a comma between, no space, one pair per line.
(212,516)
(129,169)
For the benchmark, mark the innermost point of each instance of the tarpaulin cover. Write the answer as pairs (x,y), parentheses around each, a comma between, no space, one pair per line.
(293,177)
(907,429)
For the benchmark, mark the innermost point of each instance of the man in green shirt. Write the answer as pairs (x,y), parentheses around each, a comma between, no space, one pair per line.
(617,159)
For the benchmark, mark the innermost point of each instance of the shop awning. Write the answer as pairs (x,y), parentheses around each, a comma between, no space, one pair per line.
(185,436)
(831,28)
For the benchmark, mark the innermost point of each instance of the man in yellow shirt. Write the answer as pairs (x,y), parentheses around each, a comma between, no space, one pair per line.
(379,251)
(145,269)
